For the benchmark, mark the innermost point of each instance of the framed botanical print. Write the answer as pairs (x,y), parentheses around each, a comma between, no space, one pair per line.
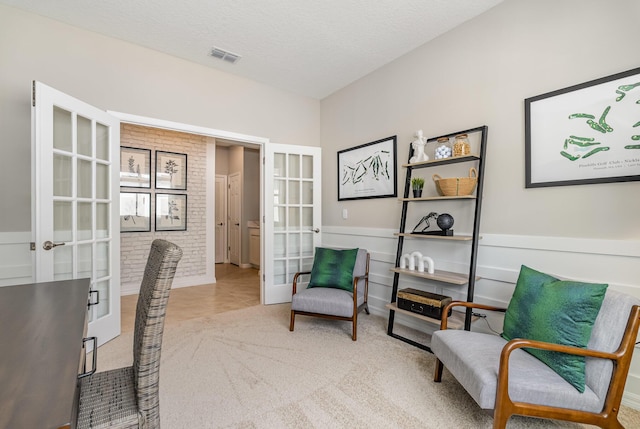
(135,167)
(171,170)
(171,212)
(135,212)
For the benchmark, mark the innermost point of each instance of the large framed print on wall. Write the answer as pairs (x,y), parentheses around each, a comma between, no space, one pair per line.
(135,212)
(368,170)
(171,212)
(587,133)
(171,170)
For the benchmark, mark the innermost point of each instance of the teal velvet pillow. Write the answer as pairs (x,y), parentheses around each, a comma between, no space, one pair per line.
(557,311)
(333,268)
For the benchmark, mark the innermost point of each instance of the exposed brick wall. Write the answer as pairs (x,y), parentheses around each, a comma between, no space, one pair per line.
(134,246)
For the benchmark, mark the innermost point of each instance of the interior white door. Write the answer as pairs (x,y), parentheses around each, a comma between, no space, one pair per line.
(292,178)
(235,214)
(76,232)
(221,218)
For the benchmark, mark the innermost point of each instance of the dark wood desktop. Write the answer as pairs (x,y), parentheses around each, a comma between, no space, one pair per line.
(41,330)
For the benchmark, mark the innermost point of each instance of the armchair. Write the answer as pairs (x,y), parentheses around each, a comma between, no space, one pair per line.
(334,303)
(500,375)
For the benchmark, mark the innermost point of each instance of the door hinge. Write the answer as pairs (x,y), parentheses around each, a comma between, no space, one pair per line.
(32,246)
(33,94)
(263,160)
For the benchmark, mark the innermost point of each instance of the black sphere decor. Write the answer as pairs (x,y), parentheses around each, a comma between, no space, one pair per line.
(445,221)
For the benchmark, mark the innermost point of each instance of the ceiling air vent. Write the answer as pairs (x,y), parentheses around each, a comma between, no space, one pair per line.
(223,55)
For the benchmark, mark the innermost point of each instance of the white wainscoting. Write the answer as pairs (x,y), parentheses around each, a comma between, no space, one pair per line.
(615,262)
(15,258)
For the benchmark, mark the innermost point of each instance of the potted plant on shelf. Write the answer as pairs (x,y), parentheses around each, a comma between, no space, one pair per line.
(417,183)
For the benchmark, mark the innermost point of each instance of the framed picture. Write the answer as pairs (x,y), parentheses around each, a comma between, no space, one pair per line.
(171,212)
(171,170)
(135,212)
(368,171)
(587,133)
(135,167)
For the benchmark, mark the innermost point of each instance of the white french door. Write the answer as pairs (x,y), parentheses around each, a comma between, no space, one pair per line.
(235,215)
(75,201)
(221,215)
(292,211)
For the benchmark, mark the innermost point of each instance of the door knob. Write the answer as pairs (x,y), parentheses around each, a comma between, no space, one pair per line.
(220,224)
(48,245)
(316,230)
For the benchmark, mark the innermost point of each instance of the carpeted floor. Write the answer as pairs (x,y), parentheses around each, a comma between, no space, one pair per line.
(244,369)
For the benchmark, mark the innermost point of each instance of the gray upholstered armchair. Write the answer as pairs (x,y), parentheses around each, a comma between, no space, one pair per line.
(501,376)
(332,302)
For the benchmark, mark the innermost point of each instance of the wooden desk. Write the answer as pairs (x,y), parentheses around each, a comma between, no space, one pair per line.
(41,331)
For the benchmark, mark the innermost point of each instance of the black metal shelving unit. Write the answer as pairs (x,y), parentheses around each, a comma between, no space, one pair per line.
(440,276)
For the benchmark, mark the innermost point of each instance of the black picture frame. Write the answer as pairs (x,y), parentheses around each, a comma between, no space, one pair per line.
(135,211)
(135,167)
(368,171)
(584,134)
(171,212)
(171,170)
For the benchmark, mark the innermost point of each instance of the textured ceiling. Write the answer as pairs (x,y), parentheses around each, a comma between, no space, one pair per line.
(309,47)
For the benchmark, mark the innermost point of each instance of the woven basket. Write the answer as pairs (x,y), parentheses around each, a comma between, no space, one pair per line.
(457,186)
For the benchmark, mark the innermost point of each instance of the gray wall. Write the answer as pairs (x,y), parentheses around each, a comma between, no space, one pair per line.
(480,73)
(118,76)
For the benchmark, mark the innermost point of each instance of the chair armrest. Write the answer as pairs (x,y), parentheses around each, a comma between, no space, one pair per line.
(518,343)
(295,280)
(445,310)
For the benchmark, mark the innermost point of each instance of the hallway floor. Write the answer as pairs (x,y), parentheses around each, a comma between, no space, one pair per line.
(235,288)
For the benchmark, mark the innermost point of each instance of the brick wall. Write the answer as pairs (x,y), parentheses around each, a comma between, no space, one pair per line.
(134,246)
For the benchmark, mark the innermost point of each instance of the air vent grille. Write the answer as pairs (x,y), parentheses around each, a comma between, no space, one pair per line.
(224,55)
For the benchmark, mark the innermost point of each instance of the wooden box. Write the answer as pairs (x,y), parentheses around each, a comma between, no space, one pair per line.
(421,302)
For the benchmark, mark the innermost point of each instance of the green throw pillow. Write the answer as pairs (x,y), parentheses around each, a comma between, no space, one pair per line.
(333,268)
(547,309)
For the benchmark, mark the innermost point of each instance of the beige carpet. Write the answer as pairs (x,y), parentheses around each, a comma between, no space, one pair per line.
(244,369)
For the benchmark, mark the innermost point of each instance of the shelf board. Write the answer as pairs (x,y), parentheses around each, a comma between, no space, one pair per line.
(455,321)
(438,275)
(436,198)
(437,237)
(434,162)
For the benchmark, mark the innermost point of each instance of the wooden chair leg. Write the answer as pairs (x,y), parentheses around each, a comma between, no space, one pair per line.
(355,328)
(293,318)
(500,419)
(437,375)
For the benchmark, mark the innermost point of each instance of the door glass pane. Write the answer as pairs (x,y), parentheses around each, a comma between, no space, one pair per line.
(84,179)
(294,166)
(84,136)
(84,261)
(102,142)
(62,262)
(307,218)
(103,308)
(62,222)
(62,174)
(307,264)
(279,272)
(307,167)
(294,219)
(102,181)
(62,136)
(307,192)
(279,165)
(279,192)
(294,192)
(279,218)
(294,245)
(294,267)
(102,220)
(307,244)
(102,259)
(279,245)
(85,220)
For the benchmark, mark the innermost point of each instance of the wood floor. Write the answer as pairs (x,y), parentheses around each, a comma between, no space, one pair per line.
(235,288)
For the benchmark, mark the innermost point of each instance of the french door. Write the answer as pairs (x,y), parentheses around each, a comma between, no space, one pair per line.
(292,212)
(75,201)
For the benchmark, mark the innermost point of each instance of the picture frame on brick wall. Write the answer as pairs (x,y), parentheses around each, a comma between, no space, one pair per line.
(171,212)
(135,211)
(171,170)
(135,167)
